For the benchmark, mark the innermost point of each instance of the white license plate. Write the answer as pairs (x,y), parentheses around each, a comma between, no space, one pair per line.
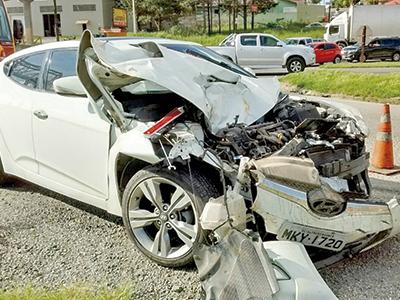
(310,236)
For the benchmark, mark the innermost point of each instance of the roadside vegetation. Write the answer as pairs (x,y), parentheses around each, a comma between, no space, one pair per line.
(198,36)
(369,87)
(72,293)
(374,64)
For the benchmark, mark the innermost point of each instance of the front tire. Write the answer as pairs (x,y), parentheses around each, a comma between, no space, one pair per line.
(396,56)
(295,65)
(161,211)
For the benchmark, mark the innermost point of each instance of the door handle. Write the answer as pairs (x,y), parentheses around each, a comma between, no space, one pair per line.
(41,114)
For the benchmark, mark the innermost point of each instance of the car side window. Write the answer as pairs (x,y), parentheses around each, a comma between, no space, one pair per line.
(330,46)
(26,70)
(62,64)
(320,47)
(388,42)
(375,43)
(334,29)
(268,41)
(248,40)
(396,42)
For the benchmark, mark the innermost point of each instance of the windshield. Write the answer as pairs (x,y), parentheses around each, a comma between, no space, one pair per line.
(5,32)
(209,55)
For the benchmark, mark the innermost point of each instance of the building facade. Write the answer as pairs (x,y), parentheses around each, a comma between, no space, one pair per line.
(285,10)
(73,15)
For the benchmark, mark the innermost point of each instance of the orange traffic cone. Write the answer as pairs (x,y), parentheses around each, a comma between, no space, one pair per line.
(382,159)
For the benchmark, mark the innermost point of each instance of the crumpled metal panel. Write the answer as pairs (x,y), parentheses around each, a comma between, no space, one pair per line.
(182,74)
(236,268)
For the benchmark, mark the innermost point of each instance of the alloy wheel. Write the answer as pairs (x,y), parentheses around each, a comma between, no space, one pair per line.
(295,66)
(162,218)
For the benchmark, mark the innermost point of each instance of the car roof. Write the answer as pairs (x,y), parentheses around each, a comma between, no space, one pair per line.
(386,37)
(300,38)
(256,33)
(322,43)
(75,44)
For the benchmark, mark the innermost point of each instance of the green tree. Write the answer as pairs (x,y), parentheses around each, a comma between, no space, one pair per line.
(344,3)
(155,12)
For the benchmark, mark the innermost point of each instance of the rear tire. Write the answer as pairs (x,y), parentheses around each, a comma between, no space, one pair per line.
(166,228)
(396,56)
(295,65)
(337,60)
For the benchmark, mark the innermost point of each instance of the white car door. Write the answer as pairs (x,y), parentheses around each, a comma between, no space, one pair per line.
(248,51)
(19,87)
(271,52)
(71,141)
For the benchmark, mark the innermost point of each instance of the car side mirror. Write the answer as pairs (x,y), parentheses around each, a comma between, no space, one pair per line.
(69,86)
(280,44)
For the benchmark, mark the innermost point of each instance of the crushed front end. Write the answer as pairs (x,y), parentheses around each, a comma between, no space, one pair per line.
(308,178)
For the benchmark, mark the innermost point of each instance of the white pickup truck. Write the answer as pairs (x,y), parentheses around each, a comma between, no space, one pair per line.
(263,52)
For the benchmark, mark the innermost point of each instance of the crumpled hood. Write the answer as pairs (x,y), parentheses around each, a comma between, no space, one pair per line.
(222,95)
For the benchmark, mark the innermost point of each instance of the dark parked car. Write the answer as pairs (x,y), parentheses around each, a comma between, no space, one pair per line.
(380,48)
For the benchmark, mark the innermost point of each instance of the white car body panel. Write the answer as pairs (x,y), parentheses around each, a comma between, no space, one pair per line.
(81,139)
(305,281)
(17,141)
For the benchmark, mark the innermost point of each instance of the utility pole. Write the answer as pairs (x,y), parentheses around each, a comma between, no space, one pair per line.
(134,18)
(56,21)
(245,14)
(363,40)
(219,16)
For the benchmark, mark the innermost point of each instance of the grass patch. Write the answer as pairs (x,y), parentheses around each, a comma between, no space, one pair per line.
(371,87)
(377,64)
(72,293)
(215,39)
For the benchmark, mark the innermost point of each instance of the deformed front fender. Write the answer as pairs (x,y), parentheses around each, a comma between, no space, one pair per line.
(133,144)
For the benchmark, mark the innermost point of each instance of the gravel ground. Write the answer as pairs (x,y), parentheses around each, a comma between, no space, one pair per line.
(47,240)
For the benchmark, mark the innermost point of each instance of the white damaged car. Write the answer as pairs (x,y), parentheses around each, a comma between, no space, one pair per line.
(152,130)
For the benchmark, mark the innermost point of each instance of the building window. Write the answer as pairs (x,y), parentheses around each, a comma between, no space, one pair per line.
(84,7)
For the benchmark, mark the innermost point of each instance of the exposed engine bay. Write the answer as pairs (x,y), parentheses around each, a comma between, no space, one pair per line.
(302,129)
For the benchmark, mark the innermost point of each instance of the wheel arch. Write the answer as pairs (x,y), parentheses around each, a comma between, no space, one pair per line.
(291,56)
(126,166)
(342,42)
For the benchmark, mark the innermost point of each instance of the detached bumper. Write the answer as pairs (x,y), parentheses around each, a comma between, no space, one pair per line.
(361,226)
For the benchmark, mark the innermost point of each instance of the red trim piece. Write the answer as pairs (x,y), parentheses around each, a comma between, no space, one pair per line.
(167,119)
